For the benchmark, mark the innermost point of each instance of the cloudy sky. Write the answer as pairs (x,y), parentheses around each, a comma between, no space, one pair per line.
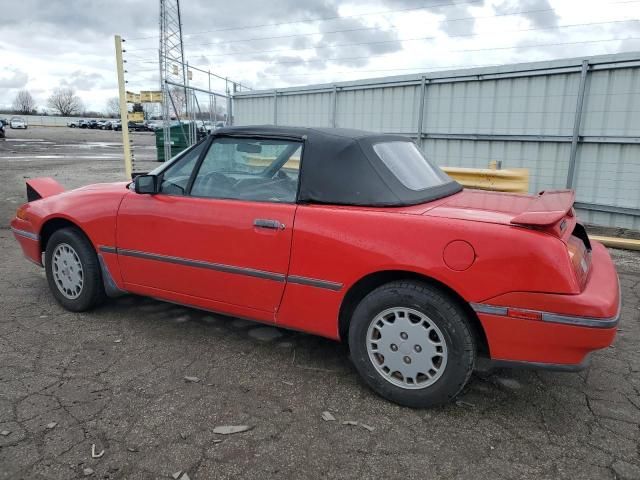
(278,43)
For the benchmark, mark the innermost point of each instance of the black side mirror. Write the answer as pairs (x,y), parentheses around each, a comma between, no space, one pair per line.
(146,184)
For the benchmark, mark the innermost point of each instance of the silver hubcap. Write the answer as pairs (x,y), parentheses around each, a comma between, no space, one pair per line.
(67,271)
(406,348)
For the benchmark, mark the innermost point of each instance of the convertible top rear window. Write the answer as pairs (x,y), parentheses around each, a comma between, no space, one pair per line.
(407,162)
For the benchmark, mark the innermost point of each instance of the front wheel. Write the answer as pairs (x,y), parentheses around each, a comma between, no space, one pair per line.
(412,344)
(73,270)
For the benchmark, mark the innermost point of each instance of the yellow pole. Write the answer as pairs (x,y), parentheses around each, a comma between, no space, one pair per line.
(123,108)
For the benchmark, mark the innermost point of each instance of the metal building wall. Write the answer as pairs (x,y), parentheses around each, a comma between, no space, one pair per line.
(580,115)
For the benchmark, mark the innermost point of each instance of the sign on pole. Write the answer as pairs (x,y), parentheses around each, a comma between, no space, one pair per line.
(150,96)
(133,97)
(136,116)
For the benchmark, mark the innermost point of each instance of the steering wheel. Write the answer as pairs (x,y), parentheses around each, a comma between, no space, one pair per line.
(217,180)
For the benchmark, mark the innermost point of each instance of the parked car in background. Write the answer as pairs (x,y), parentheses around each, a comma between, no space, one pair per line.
(74,123)
(154,125)
(2,133)
(133,126)
(108,125)
(4,121)
(100,124)
(18,122)
(206,127)
(351,235)
(92,124)
(83,123)
(138,127)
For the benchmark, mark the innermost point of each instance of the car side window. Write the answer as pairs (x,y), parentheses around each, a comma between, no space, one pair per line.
(174,179)
(250,169)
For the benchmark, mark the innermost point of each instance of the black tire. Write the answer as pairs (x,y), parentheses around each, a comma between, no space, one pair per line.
(441,310)
(91,292)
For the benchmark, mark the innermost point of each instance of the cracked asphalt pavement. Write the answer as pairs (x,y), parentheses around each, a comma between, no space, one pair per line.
(114,378)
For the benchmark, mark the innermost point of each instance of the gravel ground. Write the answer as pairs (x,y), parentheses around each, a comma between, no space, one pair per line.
(147,382)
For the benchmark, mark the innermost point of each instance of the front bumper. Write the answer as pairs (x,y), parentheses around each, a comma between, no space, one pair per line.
(552,329)
(28,240)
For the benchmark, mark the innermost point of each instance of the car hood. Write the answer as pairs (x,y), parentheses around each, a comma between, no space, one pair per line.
(545,208)
(115,186)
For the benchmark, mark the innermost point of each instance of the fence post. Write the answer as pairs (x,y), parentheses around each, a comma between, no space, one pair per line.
(275,107)
(230,100)
(423,89)
(335,106)
(576,125)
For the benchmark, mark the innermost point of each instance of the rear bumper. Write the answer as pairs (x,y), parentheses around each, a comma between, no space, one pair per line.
(551,329)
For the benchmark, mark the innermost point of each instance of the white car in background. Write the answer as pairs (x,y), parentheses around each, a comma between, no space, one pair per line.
(18,122)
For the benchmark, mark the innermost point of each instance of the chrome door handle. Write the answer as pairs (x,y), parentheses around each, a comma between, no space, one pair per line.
(268,223)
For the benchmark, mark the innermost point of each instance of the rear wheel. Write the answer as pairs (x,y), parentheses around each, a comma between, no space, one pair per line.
(73,270)
(412,344)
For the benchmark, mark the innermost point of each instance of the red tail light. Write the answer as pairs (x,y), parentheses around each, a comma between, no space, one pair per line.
(580,258)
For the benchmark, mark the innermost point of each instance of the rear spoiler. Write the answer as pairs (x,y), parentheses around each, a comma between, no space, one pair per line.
(548,208)
(43,187)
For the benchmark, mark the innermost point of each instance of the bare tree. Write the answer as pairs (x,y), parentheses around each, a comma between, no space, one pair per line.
(179,97)
(24,102)
(149,110)
(65,101)
(113,107)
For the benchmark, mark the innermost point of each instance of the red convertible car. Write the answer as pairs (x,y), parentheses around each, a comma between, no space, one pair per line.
(341,233)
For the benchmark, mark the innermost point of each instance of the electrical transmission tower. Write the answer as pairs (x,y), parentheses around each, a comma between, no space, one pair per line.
(176,97)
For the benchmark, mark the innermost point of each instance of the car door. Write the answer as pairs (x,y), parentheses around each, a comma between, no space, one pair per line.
(219,229)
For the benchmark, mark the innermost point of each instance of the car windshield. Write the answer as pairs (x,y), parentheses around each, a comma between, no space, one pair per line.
(409,165)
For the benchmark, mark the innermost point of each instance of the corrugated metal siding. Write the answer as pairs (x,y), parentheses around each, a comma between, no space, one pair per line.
(543,105)
(536,101)
(258,111)
(391,109)
(613,103)
(313,110)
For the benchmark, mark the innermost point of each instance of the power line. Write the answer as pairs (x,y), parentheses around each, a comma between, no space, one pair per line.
(422,69)
(466,35)
(393,27)
(325,19)
(450,66)
(475,50)
(415,39)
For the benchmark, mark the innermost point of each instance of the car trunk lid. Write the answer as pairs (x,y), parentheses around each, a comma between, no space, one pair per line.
(550,210)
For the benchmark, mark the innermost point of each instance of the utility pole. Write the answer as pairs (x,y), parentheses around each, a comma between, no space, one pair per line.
(173,72)
(122,94)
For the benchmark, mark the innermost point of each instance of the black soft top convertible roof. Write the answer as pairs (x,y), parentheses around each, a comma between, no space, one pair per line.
(340,166)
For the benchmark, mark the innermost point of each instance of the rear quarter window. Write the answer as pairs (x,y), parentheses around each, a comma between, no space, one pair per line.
(409,165)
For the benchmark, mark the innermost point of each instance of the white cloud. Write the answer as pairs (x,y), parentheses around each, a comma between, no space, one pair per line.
(44,45)
(13,78)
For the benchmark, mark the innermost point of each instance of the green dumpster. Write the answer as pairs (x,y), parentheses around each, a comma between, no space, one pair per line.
(179,140)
